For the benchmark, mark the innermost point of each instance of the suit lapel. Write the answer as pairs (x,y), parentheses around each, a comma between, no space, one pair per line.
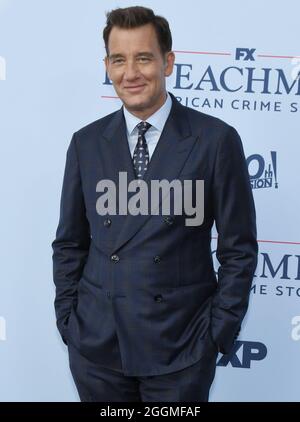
(164,163)
(169,156)
(116,154)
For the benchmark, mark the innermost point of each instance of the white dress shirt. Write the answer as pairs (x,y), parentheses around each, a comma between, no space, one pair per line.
(157,121)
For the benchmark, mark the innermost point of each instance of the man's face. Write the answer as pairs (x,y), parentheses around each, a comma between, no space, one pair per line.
(137,69)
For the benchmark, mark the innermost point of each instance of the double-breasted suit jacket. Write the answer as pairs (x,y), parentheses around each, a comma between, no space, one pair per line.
(139,293)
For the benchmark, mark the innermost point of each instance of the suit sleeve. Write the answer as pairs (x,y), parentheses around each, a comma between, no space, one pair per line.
(235,218)
(71,244)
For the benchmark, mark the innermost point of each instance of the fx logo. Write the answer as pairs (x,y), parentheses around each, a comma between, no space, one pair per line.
(245,53)
(251,351)
(2,69)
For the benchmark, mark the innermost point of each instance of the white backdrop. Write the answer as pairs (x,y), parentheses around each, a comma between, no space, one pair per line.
(236,62)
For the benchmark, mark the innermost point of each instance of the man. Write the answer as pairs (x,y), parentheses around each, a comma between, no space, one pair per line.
(137,299)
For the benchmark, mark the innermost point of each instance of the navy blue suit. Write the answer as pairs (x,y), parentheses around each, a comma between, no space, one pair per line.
(139,293)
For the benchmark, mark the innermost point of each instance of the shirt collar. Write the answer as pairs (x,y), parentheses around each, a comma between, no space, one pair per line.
(157,119)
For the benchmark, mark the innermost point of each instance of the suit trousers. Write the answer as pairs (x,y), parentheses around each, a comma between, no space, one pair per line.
(95,383)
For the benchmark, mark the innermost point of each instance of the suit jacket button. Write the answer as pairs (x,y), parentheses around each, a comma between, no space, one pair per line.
(158,298)
(107,222)
(115,258)
(157,259)
(169,220)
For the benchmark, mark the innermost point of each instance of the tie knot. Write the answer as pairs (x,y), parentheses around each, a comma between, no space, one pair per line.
(143,127)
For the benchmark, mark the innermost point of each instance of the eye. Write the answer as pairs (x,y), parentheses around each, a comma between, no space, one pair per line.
(117,61)
(143,59)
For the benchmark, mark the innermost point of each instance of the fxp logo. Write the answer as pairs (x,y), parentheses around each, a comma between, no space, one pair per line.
(245,54)
(243,353)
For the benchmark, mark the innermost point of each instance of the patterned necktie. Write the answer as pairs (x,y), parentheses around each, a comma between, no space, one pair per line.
(141,153)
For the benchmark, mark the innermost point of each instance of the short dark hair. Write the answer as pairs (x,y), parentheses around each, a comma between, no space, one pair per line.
(133,17)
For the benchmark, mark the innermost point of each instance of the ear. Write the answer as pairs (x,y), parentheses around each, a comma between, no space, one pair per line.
(106,62)
(169,63)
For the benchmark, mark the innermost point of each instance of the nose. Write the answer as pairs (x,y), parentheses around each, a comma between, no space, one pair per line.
(131,71)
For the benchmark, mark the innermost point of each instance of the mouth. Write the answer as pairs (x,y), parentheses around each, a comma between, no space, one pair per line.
(134,88)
